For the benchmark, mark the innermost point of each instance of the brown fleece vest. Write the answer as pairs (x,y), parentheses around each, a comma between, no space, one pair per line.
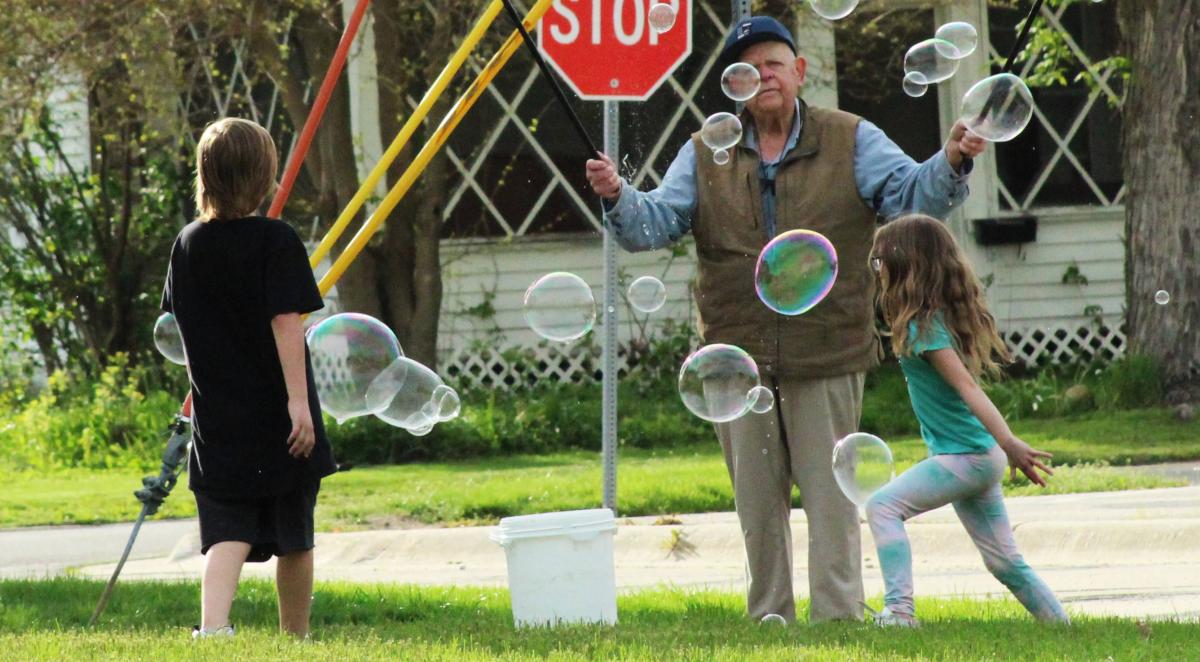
(815,190)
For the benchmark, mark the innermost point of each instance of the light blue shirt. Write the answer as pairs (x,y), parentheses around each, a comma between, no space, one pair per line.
(888,180)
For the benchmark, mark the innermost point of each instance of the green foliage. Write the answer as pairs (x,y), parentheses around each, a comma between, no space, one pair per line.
(106,423)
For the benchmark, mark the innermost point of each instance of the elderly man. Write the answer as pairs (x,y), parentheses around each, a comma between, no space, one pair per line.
(796,167)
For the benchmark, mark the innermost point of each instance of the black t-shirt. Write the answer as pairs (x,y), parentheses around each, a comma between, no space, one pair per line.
(226,281)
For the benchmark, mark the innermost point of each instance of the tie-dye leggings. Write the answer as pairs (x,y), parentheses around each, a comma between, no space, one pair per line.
(972,484)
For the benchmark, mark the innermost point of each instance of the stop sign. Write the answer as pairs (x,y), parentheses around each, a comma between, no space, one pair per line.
(607,49)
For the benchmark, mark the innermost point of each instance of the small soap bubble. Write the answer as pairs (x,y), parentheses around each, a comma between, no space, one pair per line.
(762,399)
(167,339)
(647,294)
(862,463)
(721,157)
(914,84)
(1162,297)
(721,131)
(833,9)
(962,37)
(560,306)
(661,17)
(740,81)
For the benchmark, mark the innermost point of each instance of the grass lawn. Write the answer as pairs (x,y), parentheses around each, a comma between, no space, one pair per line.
(44,620)
(691,479)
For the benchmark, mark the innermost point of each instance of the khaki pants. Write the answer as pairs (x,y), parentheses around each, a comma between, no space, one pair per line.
(766,454)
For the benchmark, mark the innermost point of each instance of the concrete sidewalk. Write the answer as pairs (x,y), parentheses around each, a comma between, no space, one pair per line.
(1121,553)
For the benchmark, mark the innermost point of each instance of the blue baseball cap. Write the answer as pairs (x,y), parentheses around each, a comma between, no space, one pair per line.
(756,30)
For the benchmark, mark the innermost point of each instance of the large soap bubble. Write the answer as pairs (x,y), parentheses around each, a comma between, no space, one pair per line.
(833,9)
(795,271)
(411,396)
(721,131)
(862,464)
(167,339)
(647,294)
(349,350)
(962,37)
(997,108)
(559,306)
(715,382)
(740,81)
(928,59)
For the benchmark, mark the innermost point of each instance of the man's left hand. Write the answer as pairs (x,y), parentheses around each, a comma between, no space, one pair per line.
(963,145)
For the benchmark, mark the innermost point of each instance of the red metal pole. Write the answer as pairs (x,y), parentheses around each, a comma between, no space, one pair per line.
(296,158)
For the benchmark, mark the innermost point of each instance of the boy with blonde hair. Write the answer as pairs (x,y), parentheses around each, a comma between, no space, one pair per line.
(238,285)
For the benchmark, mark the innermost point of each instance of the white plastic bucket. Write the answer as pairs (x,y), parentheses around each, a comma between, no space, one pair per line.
(560,566)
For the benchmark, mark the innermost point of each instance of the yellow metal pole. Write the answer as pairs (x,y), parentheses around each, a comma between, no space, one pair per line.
(414,170)
(410,126)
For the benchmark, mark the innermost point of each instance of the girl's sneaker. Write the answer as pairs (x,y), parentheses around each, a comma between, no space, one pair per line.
(223,632)
(887,619)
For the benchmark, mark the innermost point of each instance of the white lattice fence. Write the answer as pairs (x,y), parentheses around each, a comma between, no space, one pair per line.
(1065,344)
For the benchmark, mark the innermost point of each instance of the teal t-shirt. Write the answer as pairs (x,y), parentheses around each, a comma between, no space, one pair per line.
(947,424)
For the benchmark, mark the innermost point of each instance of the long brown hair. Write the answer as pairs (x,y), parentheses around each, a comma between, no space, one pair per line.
(235,169)
(922,272)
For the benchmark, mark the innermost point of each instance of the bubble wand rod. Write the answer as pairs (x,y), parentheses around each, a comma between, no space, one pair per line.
(1004,87)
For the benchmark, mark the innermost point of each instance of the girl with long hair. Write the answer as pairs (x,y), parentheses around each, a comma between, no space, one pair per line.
(945,339)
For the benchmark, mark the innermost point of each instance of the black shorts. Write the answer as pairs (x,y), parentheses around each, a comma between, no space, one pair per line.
(273,526)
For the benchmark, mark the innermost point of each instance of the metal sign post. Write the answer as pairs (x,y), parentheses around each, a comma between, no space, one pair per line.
(608,429)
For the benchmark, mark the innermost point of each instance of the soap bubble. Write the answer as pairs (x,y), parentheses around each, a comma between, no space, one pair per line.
(411,396)
(661,17)
(349,351)
(721,157)
(997,108)
(1162,297)
(862,464)
(914,84)
(962,37)
(833,9)
(721,131)
(647,294)
(715,382)
(762,399)
(927,58)
(167,339)
(559,306)
(773,619)
(795,271)
(740,81)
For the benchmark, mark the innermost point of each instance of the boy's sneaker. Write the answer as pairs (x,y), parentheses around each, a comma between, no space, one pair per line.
(223,632)
(887,619)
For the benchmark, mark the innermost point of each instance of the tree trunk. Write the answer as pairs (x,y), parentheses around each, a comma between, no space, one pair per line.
(1162,171)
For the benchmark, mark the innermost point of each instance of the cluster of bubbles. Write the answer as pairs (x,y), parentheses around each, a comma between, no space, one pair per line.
(935,60)
(795,271)
(720,383)
(661,17)
(560,307)
(862,463)
(833,9)
(647,294)
(360,370)
(409,395)
(168,340)
(720,133)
